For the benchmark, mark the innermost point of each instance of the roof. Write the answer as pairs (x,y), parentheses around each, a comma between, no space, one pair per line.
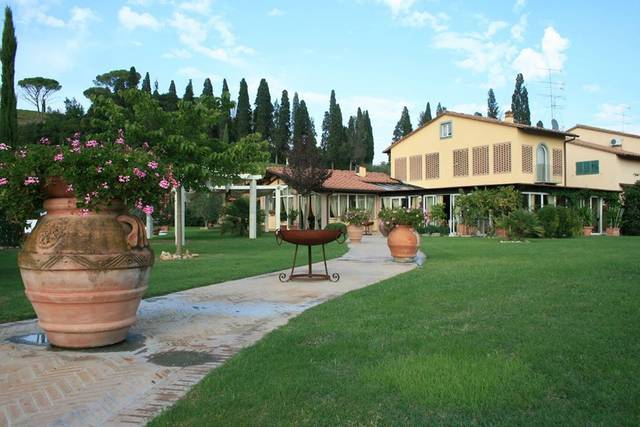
(597,129)
(629,155)
(524,128)
(347,180)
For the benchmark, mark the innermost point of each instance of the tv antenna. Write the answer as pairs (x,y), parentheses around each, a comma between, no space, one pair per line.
(624,115)
(554,92)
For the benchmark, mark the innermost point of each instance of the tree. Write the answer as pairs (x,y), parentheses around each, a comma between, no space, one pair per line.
(73,109)
(282,130)
(188,92)
(207,87)
(169,100)
(295,104)
(243,111)
(156,92)
(36,90)
(114,80)
(370,144)
(493,111)
(303,128)
(133,78)
(477,114)
(8,109)
(520,102)
(440,109)
(337,153)
(540,124)
(631,212)
(205,205)
(425,116)
(263,114)
(403,127)
(146,83)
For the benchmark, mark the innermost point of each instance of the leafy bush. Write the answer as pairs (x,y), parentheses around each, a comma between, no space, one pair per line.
(521,224)
(549,220)
(402,216)
(569,222)
(355,216)
(631,214)
(10,233)
(204,206)
(236,218)
(437,214)
(337,226)
(429,229)
(586,216)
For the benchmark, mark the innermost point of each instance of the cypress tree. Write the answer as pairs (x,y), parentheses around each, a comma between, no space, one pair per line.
(226,124)
(540,124)
(520,102)
(8,111)
(207,88)
(156,92)
(359,147)
(403,127)
(492,105)
(171,98)
(425,116)
(440,109)
(370,146)
(324,138)
(263,113)
(243,111)
(146,83)
(188,92)
(294,111)
(304,128)
(526,113)
(225,87)
(282,131)
(337,154)
(133,78)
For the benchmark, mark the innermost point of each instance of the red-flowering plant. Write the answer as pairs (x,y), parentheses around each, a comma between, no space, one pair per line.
(96,172)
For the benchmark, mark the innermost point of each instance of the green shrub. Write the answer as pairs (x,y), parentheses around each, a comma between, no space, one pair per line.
(549,220)
(10,233)
(236,218)
(520,224)
(429,229)
(631,214)
(337,226)
(569,222)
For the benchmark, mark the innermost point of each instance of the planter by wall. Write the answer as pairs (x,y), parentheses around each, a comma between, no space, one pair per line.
(586,231)
(501,232)
(85,273)
(355,233)
(613,231)
(403,243)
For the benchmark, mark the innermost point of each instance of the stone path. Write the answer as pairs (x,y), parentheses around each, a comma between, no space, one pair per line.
(178,339)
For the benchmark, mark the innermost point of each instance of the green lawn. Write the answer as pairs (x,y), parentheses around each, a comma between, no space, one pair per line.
(221,259)
(540,333)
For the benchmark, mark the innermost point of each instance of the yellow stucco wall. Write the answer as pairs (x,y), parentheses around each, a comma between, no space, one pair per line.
(629,143)
(469,133)
(613,170)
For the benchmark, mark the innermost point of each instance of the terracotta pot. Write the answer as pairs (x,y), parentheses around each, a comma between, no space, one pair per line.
(403,243)
(355,233)
(501,232)
(85,273)
(586,231)
(613,231)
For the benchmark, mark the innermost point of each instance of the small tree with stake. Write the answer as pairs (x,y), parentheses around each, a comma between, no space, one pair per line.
(306,172)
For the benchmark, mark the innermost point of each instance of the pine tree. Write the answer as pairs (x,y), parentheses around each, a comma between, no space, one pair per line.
(295,104)
(146,83)
(156,92)
(337,154)
(303,125)
(520,102)
(188,92)
(207,87)
(170,98)
(370,146)
(425,116)
(243,111)
(282,131)
(263,114)
(440,109)
(8,111)
(133,79)
(492,105)
(403,127)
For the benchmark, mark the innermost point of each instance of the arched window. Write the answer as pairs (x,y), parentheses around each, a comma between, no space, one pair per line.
(542,163)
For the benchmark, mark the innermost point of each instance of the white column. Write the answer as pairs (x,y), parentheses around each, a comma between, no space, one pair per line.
(267,204)
(253,201)
(184,211)
(278,204)
(149,226)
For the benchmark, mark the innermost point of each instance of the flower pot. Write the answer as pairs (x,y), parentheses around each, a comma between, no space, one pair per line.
(613,231)
(85,272)
(403,243)
(501,232)
(587,230)
(355,233)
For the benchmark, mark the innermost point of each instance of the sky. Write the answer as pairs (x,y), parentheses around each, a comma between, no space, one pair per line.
(379,55)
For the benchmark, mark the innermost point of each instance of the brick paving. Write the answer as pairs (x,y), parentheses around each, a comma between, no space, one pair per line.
(130,383)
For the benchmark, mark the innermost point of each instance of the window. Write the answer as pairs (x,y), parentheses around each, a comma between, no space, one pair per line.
(481,160)
(400,169)
(461,162)
(527,159)
(590,167)
(542,163)
(339,203)
(502,157)
(415,168)
(557,162)
(432,166)
(446,130)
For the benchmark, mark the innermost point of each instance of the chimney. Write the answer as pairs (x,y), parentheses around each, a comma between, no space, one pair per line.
(362,171)
(508,117)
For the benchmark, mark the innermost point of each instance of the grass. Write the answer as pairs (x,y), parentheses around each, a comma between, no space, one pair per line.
(221,258)
(541,333)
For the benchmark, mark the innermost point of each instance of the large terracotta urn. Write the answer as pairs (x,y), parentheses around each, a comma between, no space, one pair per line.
(85,272)
(355,233)
(613,231)
(403,243)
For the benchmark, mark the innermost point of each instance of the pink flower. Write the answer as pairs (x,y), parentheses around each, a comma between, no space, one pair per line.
(87,199)
(3,181)
(124,178)
(31,180)
(120,139)
(91,144)
(44,141)
(108,162)
(104,185)
(148,209)
(85,212)
(75,145)
(139,204)
(22,153)
(69,188)
(99,169)
(153,165)
(164,184)
(145,145)
(58,157)
(4,147)
(139,173)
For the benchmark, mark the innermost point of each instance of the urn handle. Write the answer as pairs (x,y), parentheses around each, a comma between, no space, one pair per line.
(137,237)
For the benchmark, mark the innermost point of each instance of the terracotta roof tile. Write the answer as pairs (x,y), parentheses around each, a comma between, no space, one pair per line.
(347,180)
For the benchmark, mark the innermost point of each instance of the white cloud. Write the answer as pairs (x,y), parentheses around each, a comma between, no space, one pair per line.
(176,53)
(518,29)
(612,113)
(81,17)
(132,20)
(275,12)
(519,5)
(424,19)
(494,27)
(591,88)
(224,31)
(202,7)
(398,6)
(534,64)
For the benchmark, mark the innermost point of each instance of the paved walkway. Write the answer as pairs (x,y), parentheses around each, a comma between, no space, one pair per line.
(178,339)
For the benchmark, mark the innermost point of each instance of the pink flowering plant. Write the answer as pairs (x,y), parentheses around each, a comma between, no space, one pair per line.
(402,216)
(96,172)
(355,216)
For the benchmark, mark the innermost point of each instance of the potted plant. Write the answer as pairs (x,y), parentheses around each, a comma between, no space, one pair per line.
(293,216)
(86,264)
(403,239)
(355,219)
(614,214)
(587,218)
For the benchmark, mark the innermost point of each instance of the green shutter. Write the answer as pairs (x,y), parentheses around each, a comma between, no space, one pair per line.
(595,167)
